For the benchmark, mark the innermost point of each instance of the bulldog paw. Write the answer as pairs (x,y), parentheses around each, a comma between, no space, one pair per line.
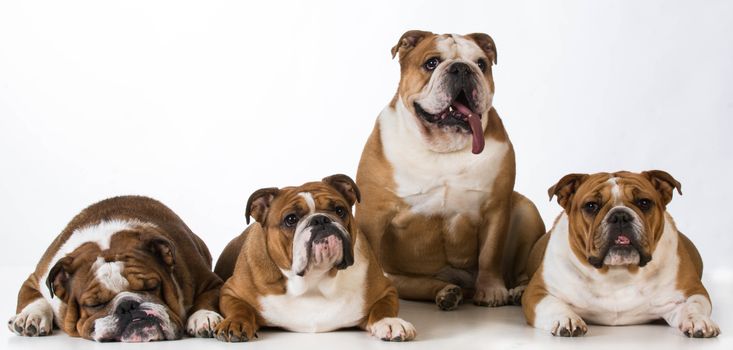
(491,296)
(449,297)
(36,319)
(393,329)
(571,326)
(515,294)
(202,323)
(234,330)
(699,326)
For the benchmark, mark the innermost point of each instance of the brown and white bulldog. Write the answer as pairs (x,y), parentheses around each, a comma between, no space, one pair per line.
(304,267)
(615,257)
(124,269)
(437,177)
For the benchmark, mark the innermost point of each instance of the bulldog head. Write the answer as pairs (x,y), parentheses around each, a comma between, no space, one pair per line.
(447,87)
(615,218)
(309,228)
(124,293)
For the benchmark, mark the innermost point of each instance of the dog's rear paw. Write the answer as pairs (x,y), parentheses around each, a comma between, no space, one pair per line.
(515,294)
(491,296)
(36,319)
(449,297)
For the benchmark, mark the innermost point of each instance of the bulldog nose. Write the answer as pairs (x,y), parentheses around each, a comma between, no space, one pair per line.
(320,220)
(620,217)
(127,306)
(459,68)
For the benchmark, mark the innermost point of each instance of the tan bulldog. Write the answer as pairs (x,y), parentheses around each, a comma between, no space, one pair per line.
(437,177)
(615,257)
(124,269)
(304,266)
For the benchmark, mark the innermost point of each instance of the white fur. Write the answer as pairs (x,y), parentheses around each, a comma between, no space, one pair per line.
(38,313)
(109,274)
(318,302)
(615,190)
(393,328)
(106,326)
(205,320)
(437,183)
(616,297)
(99,234)
(308,197)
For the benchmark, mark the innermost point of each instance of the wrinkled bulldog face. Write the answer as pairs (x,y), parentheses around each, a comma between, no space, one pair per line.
(309,228)
(615,219)
(125,293)
(447,87)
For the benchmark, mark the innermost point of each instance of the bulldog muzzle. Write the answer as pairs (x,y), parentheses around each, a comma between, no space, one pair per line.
(322,243)
(621,240)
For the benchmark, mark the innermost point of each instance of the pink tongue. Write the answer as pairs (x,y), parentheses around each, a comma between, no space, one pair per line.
(622,240)
(475,122)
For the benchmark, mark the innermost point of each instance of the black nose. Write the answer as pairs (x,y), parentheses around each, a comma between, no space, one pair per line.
(459,68)
(126,307)
(320,220)
(620,217)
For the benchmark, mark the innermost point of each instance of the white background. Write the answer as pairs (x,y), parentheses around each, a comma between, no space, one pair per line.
(198,104)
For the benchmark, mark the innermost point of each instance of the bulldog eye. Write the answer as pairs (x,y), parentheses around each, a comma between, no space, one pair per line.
(431,63)
(341,212)
(481,63)
(95,306)
(591,208)
(644,204)
(291,220)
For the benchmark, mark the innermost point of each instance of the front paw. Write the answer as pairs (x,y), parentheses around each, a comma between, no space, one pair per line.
(393,329)
(202,323)
(234,330)
(36,319)
(492,295)
(569,326)
(699,326)
(449,297)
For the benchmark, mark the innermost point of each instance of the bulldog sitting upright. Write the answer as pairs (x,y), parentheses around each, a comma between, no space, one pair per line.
(293,267)
(124,269)
(615,257)
(437,176)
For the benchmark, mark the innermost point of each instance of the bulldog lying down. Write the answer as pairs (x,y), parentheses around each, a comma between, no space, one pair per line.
(124,269)
(615,257)
(304,267)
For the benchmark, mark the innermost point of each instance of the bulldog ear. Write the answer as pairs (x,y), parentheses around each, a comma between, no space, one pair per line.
(162,248)
(408,41)
(486,43)
(664,183)
(346,186)
(58,278)
(259,203)
(565,188)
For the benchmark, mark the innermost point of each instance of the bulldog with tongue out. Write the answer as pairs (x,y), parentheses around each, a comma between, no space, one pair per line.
(304,267)
(437,177)
(615,257)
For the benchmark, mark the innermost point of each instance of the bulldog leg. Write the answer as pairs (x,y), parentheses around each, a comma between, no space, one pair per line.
(554,315)
(204,319)
(35,315)
(693,318)
(383,322)
(239,324)
(490,287)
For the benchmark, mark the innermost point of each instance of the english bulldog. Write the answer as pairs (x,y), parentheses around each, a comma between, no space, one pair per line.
(615,257)
(124,269)
(304,267)
(437,177)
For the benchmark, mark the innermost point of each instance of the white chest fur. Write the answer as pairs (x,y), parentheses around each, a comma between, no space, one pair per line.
(318,303)
(437,183)
(617,297)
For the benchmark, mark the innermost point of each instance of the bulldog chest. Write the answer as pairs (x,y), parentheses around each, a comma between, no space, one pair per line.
(319,304)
